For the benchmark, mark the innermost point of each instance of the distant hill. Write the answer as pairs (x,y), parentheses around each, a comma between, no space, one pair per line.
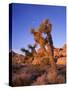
(16,58)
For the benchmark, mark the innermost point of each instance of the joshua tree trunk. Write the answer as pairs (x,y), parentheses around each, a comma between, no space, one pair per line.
(52,75)
(50,49)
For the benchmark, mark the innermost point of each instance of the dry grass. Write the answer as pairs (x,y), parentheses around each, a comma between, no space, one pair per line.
(26,75)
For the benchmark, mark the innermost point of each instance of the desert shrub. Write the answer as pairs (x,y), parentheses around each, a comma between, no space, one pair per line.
(60,79)
(22,79)
(41,80)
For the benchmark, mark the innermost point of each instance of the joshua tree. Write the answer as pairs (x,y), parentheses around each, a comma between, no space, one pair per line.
(39,40)
(27,53)
(33,51)
(46,27)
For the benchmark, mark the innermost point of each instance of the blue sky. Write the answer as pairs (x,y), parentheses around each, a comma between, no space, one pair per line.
(25,16)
